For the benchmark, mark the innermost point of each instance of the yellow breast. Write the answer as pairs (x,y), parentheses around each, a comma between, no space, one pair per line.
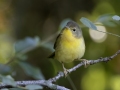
(69,48)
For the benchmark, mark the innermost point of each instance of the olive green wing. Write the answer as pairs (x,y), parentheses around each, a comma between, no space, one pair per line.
(57,41)
(52,55)
(55,45)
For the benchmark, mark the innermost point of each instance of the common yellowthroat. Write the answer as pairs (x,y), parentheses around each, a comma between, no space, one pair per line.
(69,45)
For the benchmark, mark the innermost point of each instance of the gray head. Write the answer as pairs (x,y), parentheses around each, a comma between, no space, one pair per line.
(74,27)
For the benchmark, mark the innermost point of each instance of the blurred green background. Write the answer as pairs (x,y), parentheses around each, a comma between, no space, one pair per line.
(27,34)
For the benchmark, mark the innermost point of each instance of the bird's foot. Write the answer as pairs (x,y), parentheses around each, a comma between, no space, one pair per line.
(66,71)
(86,62)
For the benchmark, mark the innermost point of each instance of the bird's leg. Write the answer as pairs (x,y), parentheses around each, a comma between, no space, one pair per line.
(86,62)
(65,70)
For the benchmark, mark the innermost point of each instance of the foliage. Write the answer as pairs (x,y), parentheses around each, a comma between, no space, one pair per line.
(24,27)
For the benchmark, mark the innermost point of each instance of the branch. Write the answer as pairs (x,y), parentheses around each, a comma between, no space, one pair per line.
(44,83)
(49,83)
(89,62)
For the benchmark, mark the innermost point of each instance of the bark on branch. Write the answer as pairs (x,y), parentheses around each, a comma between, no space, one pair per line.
(49,83)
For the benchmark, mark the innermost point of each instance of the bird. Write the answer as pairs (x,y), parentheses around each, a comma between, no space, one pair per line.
(69,45)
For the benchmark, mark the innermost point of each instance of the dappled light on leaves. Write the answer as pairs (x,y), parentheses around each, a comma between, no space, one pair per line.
(94,79)
(98,36)
(6,49)
(115,82)
(102,8)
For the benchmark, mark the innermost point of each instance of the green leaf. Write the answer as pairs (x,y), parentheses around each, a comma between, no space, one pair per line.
(16,89)
(31,71)
(64,22)
(4,89)
(22,57)
(48,46)
(4,69)
(33,87)
(26,45)
(8,80)
(88,23)
(104,18)
(107,20)
(116,17)
(110,24)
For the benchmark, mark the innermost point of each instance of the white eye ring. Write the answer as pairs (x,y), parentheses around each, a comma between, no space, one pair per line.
(74,29)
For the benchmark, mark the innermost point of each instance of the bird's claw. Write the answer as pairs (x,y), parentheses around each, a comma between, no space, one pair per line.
(86,62)
(66,71)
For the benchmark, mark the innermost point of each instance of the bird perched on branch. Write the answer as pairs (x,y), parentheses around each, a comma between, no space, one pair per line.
(69,45)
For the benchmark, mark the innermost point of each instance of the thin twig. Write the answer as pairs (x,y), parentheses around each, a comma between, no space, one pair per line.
(44,83)
(90,62)
(49,83)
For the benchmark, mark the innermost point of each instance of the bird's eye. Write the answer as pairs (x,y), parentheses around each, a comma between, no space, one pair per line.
(74,30)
